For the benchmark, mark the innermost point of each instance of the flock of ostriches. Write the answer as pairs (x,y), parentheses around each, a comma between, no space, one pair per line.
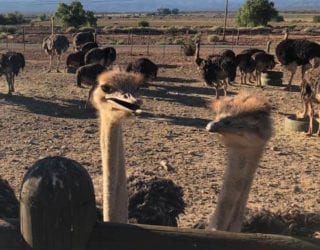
(243,121)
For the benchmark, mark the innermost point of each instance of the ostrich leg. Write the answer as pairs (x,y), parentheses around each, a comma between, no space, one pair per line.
(311,116)
(59,60)
(50,63)
(292,68)
(9,81)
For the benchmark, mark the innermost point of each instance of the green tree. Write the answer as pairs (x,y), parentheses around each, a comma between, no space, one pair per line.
(175,11)
(74,15)
(256,12)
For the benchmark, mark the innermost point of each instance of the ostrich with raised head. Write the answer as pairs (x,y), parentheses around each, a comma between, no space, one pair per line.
(216,70)
(115,99)
(292,53)
(244,125)
(55,44)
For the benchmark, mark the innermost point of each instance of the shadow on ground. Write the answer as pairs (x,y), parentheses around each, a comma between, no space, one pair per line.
(62,108)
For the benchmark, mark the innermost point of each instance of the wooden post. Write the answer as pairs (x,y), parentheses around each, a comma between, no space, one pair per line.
(23,38)
(131,48)
(109,236)
(225,21)
(238,37)
(57,205)
(148,43)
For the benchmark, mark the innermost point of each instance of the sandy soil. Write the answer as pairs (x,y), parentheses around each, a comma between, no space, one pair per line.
(46,117)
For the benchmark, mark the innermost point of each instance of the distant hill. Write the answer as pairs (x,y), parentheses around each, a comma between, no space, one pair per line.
(148,5)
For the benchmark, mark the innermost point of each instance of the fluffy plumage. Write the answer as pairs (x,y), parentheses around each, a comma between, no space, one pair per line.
(241,104)
(88,46)
(105,56)
(79,39)
(300,51)
(145,67)
(88,74)
(155,201)
(9,205)
(10,65)
(75,60)
(55,44)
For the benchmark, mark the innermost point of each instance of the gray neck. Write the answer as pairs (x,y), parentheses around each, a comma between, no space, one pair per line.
(238,177)
(115,196)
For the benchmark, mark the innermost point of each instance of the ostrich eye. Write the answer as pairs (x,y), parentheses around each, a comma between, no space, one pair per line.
(107,89)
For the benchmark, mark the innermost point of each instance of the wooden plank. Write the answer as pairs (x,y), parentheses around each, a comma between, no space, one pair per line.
(109,236)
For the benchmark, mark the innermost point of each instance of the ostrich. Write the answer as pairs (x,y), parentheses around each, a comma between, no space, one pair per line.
(145,67)
(263,62)
(292,53)
(115,100)
(81,38)
(247,64)
(310,95)
(154,201)
(88,46)
(245,126)
(55,45)
(9,205)
(75,60)
(10,65)
(88,75)
(105,56)
(215,70)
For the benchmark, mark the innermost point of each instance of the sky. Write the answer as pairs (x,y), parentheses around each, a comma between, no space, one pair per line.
(146,5)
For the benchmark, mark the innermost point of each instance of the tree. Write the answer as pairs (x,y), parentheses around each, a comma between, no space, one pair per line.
(175,11)
(74,15)
(256,12)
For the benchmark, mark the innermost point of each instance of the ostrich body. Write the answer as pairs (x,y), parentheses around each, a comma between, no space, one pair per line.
(115,99)
(105,56)
(244,125)
(75,60)
(81,38)
(55,45)
(263,62)
(88,75)
(10,65)
(88,46)
(247,64)
(145,67)
(215,70)
(310,95)
(292,53)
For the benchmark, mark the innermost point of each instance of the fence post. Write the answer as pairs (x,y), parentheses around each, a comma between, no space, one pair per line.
(131,47)
(57,205)
(23,39)
(148,42)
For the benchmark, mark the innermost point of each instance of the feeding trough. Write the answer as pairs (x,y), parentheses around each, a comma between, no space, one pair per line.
(272,78)
(294,124)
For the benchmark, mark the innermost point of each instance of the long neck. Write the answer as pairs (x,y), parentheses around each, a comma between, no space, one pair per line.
(286,35)
(197,58)
(115,196)
(238,177)
(268,46)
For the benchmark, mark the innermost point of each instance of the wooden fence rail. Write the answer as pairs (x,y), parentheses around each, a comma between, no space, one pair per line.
(110,236)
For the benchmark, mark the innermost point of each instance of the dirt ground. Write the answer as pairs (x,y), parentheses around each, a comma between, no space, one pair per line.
(46,117)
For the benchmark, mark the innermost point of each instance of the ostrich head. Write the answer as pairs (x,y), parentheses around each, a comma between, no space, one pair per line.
(242,121)
(116,94)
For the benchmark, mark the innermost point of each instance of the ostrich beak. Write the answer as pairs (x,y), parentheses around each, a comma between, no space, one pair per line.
(126,102)
(214,127)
